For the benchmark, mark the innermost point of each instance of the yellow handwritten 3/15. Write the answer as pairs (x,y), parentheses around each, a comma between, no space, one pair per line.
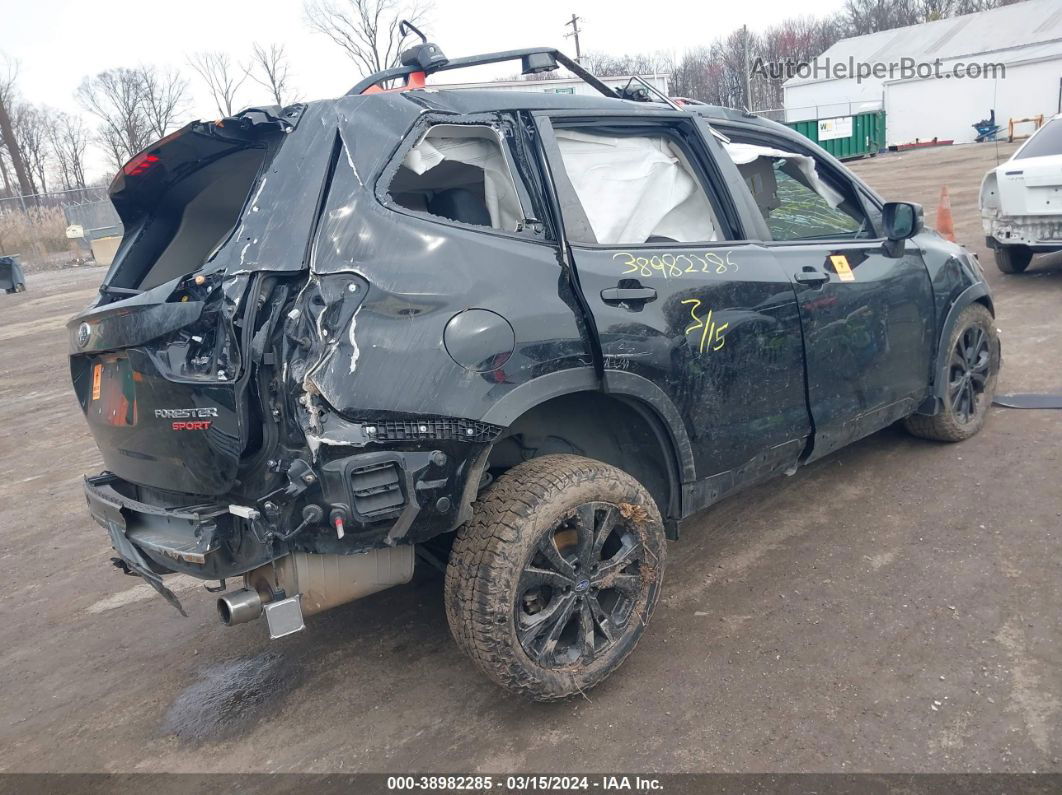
(711,337)
(674,266)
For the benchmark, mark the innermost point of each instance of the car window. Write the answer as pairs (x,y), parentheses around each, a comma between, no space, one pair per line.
(636,188)
(1046,141)
(459,172)
(797,203)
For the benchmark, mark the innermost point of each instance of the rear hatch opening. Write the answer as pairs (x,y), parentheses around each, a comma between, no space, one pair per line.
(181,199)
(160,363)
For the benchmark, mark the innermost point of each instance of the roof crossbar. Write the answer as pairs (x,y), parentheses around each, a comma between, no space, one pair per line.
(479,60)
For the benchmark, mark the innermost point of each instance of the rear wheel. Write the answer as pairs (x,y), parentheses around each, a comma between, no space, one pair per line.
(551,584)
(1013,259)
(972,370)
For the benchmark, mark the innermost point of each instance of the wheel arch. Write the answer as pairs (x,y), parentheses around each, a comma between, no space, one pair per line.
(618,425)
(974,294)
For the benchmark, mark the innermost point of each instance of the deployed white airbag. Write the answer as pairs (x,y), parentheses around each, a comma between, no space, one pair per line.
(635,187)
(742,154)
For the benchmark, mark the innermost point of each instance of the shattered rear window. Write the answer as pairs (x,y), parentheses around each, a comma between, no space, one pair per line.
(459,172)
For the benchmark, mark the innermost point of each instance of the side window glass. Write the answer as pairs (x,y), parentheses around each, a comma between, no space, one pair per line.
(459,172)
(636,188)
(796,201)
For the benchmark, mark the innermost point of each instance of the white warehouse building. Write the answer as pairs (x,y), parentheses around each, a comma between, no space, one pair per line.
(1024,38)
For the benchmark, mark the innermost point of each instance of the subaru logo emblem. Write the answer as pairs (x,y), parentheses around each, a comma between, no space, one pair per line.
(84,332)
(582,585)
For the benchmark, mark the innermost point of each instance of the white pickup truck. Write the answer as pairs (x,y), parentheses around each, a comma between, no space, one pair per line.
(1021,201)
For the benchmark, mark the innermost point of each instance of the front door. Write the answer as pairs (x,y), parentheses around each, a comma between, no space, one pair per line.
(867,317)
(677,298)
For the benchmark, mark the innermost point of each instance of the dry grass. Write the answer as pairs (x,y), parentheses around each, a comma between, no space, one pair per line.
(33,234)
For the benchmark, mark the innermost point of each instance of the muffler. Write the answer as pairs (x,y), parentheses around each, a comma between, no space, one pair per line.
(239,606)
(319,581)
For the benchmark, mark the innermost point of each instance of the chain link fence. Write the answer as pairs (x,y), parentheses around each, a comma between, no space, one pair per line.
(33,227)
(830,110)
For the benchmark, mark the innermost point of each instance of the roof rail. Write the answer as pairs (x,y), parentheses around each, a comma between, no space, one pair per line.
(414,74)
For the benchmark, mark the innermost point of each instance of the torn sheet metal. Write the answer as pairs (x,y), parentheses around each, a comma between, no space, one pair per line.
(135,562)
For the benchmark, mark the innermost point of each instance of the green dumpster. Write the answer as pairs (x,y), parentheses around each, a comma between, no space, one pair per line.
(846,137)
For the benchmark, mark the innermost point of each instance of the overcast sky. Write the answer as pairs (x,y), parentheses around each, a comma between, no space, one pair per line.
(58,42)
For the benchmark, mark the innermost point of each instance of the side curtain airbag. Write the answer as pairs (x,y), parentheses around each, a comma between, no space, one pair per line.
(635,187)
(743,154)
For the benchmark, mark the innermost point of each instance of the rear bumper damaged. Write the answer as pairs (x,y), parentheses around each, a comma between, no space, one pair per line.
(350,501)
(1038,231)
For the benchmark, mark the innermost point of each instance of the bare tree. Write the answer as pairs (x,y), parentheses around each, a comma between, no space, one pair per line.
(133,106)
(269,68)
(609,65)
(164,98)
(4,178)
(7,129)
(116,98)
(68,140)
(871,16)
(367,30)
(31,133)
(222,76)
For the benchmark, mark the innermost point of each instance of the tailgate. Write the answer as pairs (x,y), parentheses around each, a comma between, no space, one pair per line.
(156,381)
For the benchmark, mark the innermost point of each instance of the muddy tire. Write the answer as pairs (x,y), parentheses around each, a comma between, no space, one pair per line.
(1013,259)
(550,585)
(972,370)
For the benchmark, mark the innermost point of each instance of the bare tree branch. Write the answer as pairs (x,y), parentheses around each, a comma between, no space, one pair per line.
(164,98)
(68,140)
(7,129)
(30,123)
(366,30)
(269,68)
(116,98)
(223,78)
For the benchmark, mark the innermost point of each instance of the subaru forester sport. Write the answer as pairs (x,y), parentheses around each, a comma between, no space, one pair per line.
(520,335)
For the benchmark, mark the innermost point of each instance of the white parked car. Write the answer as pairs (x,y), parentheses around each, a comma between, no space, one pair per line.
(1021,201)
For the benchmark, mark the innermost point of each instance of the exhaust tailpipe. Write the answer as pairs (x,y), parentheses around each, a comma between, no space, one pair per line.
(320,581)
(239,606)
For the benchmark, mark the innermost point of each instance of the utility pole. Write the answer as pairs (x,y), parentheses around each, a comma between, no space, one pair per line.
(574,22)
(748,73)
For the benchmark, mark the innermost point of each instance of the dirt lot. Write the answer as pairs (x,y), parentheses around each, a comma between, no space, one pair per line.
(894,607)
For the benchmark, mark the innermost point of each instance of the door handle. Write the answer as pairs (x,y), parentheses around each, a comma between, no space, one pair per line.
(811,276)
(619,295)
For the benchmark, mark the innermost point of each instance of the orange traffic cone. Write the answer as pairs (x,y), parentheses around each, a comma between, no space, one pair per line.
(945,223)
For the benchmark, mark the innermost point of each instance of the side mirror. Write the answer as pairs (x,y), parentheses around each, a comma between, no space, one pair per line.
(902,220)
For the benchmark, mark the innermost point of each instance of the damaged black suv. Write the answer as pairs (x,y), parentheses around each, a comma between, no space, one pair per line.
(521,335)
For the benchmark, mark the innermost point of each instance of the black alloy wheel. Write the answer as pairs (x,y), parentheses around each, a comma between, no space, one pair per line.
(577,593)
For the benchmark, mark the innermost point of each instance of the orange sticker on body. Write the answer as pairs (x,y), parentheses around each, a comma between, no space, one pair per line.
(97,380)
(842,268)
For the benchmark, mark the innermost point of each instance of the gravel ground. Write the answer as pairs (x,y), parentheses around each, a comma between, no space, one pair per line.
(894,607)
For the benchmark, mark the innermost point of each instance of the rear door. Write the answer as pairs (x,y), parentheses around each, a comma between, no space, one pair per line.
(677,298)
(868,318)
